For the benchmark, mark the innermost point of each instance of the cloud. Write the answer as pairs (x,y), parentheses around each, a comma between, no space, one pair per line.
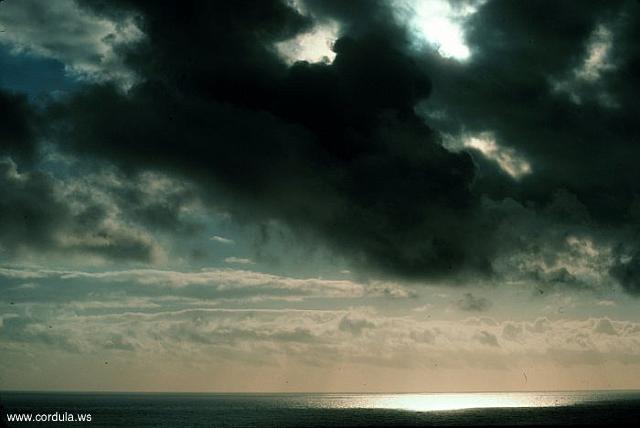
(487,338)
(322,338)
(312,46)
(239,260)
(213,285)
(471,303)
(85,43)
(439,23)
(583,81)
(39,217)
(333,151)
(222,240)
(402,161)
(18,126)
(512,331)
(604,326)
(508,89)
(510,44)
(555,246)
(627,272)
(154,201)
(354,326)
(485,143)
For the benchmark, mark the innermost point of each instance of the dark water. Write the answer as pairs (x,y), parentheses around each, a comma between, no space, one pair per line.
(325,410)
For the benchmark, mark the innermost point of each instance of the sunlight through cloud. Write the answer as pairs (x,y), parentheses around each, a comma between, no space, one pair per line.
(438,23)
(313,46)
(507,158)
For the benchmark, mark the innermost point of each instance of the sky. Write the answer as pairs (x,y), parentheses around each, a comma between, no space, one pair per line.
(319,195)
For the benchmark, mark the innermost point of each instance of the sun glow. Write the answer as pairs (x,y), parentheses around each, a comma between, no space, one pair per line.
(438,23)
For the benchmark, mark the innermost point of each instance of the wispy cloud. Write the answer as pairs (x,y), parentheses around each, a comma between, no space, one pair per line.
(239,261)
(222,240)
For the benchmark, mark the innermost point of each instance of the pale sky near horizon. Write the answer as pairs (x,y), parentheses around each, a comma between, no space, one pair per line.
(316,195)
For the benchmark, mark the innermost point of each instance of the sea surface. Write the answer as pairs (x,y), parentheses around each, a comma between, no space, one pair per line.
(324,410)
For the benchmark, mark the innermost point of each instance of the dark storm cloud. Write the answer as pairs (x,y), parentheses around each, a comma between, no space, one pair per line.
(17,126)
(521,49)
(337,153)
(580,139)
(334,151)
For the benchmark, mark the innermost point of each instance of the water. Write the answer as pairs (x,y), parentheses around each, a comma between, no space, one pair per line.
(328,410)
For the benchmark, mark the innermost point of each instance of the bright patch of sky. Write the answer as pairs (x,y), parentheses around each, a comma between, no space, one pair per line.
(438,23)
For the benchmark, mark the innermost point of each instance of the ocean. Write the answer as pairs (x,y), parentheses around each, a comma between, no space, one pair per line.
(321,410)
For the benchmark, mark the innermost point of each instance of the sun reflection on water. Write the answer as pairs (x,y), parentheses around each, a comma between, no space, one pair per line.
(434,402)
(457,401)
